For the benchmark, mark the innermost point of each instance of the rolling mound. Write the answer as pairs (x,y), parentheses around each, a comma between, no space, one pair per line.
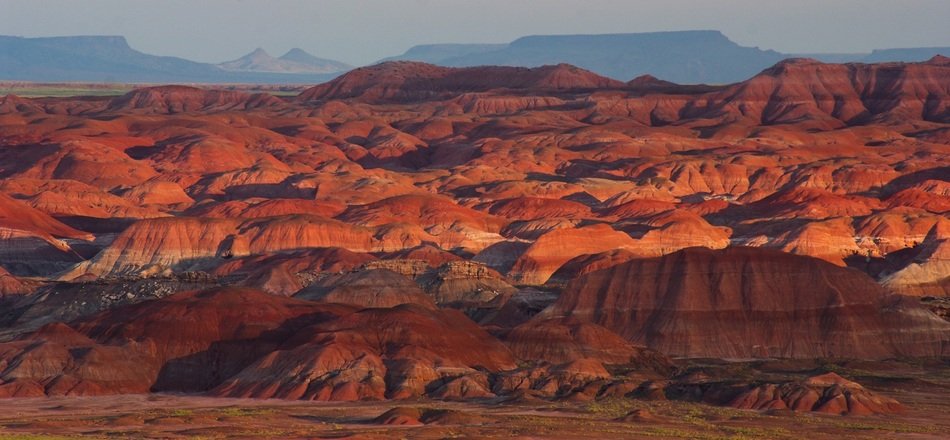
(259,345)
(566,340)
(413,81)
(33,242)
(744,302)
(9,284)
(181,99)
(424,193)
(798,89)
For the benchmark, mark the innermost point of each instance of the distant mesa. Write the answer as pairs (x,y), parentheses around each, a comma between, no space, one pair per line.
(443,53)
(111,59)
(679,56)
(683,57)
(911,54)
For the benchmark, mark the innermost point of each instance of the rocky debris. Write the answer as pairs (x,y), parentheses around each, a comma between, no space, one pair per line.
(928,270)
(367,288)
(459,284)
(432,255)
(522,306)
(411,268)
(65,302)
(940,306)
(464,283)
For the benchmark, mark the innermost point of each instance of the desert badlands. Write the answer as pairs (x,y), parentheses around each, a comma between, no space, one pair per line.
(419,251)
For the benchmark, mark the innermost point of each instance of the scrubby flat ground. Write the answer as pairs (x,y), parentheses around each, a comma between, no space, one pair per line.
(923,388)
(61,90)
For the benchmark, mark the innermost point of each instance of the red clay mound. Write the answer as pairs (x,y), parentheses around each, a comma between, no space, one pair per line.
(747,302)
(10,285)
(182,99)
(796,90)
(400,416)
(826,393)
(588,263)
(374,354)
(408,81)
(546,255)
(432,255)
(30,240)
(160,345)
(565,340)
(243,342)
(529,208)
(17,216)
(287,273)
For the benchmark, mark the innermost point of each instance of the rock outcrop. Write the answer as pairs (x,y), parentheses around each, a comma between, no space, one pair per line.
(367,288)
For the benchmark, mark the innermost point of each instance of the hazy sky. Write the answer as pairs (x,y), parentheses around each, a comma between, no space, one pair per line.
(362,31)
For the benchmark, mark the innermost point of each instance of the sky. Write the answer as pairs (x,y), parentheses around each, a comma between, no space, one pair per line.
(363,31)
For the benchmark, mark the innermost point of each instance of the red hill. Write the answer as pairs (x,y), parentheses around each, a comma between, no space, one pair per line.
(747,302)
(243,342)
(798,90)
(410,81)
(182,99)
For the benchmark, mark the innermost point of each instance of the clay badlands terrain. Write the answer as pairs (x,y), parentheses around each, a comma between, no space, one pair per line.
(430,252)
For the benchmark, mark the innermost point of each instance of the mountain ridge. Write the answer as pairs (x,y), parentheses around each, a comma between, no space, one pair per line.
(295,60)
(111,59)
(714,58)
